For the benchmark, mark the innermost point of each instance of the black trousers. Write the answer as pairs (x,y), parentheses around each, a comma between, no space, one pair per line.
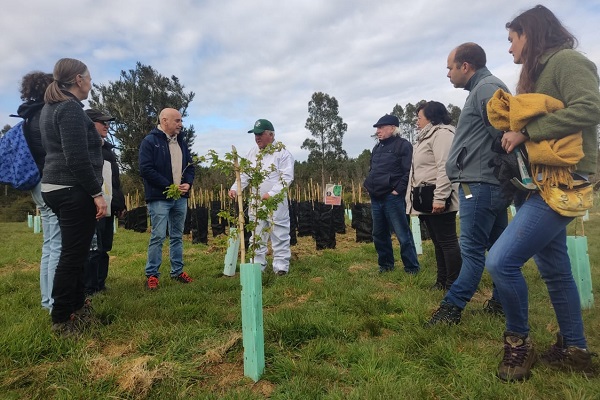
(442,229)
(76,214)
(96,266)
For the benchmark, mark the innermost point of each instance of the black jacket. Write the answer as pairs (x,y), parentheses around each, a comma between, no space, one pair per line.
(390,165)
(73,146)
(30,112)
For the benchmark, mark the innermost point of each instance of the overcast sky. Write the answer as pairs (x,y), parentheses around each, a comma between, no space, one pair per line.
(265,58)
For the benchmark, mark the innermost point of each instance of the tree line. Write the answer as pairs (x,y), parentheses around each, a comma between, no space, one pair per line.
(139,94)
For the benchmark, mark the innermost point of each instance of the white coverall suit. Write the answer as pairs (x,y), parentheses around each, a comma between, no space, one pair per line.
(280,225)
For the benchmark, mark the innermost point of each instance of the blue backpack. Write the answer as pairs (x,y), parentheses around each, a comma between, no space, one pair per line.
(17,166)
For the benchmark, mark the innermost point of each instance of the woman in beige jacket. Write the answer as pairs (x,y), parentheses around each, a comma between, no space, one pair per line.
(429,168)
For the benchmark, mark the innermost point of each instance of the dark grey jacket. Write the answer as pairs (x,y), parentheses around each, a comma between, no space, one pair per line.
(471,148)
(73,146)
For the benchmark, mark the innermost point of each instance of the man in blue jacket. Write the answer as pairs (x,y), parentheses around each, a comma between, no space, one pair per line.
(386,183)
(165,160)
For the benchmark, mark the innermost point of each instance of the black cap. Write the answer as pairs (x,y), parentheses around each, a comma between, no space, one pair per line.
(387,120)
(98,116)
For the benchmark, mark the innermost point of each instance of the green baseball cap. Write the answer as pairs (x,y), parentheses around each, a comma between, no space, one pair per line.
(262,125)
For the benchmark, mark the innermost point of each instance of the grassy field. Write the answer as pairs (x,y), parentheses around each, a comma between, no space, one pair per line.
(334,329)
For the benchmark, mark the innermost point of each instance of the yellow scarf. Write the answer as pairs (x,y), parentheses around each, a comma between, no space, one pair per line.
(553,159)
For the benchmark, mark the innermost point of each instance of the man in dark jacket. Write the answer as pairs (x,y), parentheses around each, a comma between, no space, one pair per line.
(164,161)
(386,183)
(96,267)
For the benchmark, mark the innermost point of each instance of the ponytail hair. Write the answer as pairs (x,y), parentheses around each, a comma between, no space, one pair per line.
(65,76)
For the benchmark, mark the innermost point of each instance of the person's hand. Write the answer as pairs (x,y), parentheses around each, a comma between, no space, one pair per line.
(511,139)
(121,214)
(438,208)
(184,188)
(266,196)
(100,207)
(232,194)
(394,192)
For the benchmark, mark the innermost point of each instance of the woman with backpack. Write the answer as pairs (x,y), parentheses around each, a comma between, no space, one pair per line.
(33,87)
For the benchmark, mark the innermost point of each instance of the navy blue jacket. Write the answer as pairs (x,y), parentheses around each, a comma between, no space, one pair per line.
(155,165)
(390,165)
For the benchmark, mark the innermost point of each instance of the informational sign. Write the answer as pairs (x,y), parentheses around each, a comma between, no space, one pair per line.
(333,194)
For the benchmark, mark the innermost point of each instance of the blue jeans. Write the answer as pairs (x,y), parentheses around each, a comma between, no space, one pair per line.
(389,215)
(483,218)
(163,212)
(50,248)
(537,231)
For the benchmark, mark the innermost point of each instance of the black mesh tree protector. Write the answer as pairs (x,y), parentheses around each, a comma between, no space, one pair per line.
(339,218)
(200,225)
(137,219)
(362,222)
(217,223)
(293,205)
(305,223)
(324,229)
(187,224)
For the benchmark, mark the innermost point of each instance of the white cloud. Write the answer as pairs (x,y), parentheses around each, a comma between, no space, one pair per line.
(265,58)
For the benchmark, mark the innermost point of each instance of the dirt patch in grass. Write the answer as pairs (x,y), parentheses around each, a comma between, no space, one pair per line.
(225,376)
(20,266)
(136,379)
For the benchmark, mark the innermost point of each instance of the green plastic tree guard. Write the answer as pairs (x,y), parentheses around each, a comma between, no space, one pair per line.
(29,221)
(580,266)
(415,225)
(231,256)
(252,321)
(37,224)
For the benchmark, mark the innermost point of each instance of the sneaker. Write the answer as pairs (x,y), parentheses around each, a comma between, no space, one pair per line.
(446,314)
(281,273)
(567,358)
(493,307)
(519,357)
(183,278)
(152,283)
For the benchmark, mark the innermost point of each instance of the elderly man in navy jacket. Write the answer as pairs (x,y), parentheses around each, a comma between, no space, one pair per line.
(165,160)
(386,183)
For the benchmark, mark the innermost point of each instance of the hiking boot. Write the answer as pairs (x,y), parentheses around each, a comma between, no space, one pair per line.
(438,286)
(446,314)
(519,357)
(493,307)
(568,358)
(71,328)
(182,277)
(152,283)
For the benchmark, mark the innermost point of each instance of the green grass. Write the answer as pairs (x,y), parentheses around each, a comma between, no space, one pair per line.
(334,329)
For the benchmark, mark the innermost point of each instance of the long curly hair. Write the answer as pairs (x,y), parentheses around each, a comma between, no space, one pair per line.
(34,84)
(543,32)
